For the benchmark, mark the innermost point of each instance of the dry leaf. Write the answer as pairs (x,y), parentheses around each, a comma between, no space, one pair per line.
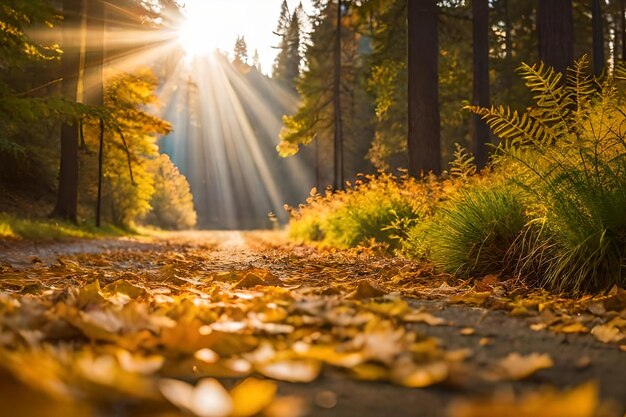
(578,402)
(291,370)
(607,333)
(423,317)
(413,375)
(251,397)
(207,399)
(516,366)
(366,289)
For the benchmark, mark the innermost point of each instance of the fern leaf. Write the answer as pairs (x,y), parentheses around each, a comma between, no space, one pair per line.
(512,127)
(582,86)
(553,100)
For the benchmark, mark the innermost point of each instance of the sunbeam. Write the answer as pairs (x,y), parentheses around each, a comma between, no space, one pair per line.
(227,130)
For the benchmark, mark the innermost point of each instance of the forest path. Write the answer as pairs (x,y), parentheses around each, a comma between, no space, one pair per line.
(371,335)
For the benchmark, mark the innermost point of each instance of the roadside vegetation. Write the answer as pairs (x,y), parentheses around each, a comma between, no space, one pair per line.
(549,208)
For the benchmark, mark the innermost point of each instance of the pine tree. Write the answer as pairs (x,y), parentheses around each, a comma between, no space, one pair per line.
(555,29)
(287,64)
(424,143)
(67,199)
(256,60)
(240,53)
(481,134)
(315,119)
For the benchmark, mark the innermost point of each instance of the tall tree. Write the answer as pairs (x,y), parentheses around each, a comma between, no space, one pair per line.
(94,53)
(240,53)
(622,18)
(555,29)
(598,37)
(93,82)
(338,120)
(481,133)
(424,141)
(67,198)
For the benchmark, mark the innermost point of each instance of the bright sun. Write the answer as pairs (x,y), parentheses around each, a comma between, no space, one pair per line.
(205,28)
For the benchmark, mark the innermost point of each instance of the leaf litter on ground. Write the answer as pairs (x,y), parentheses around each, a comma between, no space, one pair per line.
(87,329)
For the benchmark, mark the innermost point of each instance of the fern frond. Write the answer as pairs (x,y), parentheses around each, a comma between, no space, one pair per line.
(553,99)
(512,127)
(582,86)
(463,165)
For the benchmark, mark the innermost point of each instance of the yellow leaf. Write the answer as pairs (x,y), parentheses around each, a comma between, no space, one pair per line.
(90,294)
(207,399)
(413,375)
(370,372)
(291,370)
(287,407)
(578,402)
(145,365)
(607,333)
(423,317)
(252,396)
(516,366)
(366,289)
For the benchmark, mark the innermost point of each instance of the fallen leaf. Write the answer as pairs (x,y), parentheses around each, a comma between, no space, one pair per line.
(291,370)
(207,399)
(607,333)
(366,289)
(287,407)
(517,367)
(423,317)
(413,375)
(145,365)
(578,402)
(251,397)
(471,297)
(468,331)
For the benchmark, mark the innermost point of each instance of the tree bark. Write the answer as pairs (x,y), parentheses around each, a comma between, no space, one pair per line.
(93,80)
(94,53)
(623,27)
(424,140)
(481,133)
(508,45)
(338,145)
(598,37)
(67,198)
(555,29)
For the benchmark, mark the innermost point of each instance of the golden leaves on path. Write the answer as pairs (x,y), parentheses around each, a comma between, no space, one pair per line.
(111,340)
(578,402)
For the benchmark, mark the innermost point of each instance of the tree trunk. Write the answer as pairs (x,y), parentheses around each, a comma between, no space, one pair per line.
(94,53)
(93,80)
(555,29)
(67,199)
(338,177)
(623,27)
(508,45)
(481,133)
(424,141)
(598,37)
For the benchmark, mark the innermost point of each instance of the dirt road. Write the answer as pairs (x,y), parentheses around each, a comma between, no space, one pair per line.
(483,332)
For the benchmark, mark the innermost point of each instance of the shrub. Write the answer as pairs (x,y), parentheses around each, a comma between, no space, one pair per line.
(569,152)
(172,202)
(475,234)
(359,215)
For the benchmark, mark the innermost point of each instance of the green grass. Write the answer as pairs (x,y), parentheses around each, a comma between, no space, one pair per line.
(474,234)
(579,243)
(15,227)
